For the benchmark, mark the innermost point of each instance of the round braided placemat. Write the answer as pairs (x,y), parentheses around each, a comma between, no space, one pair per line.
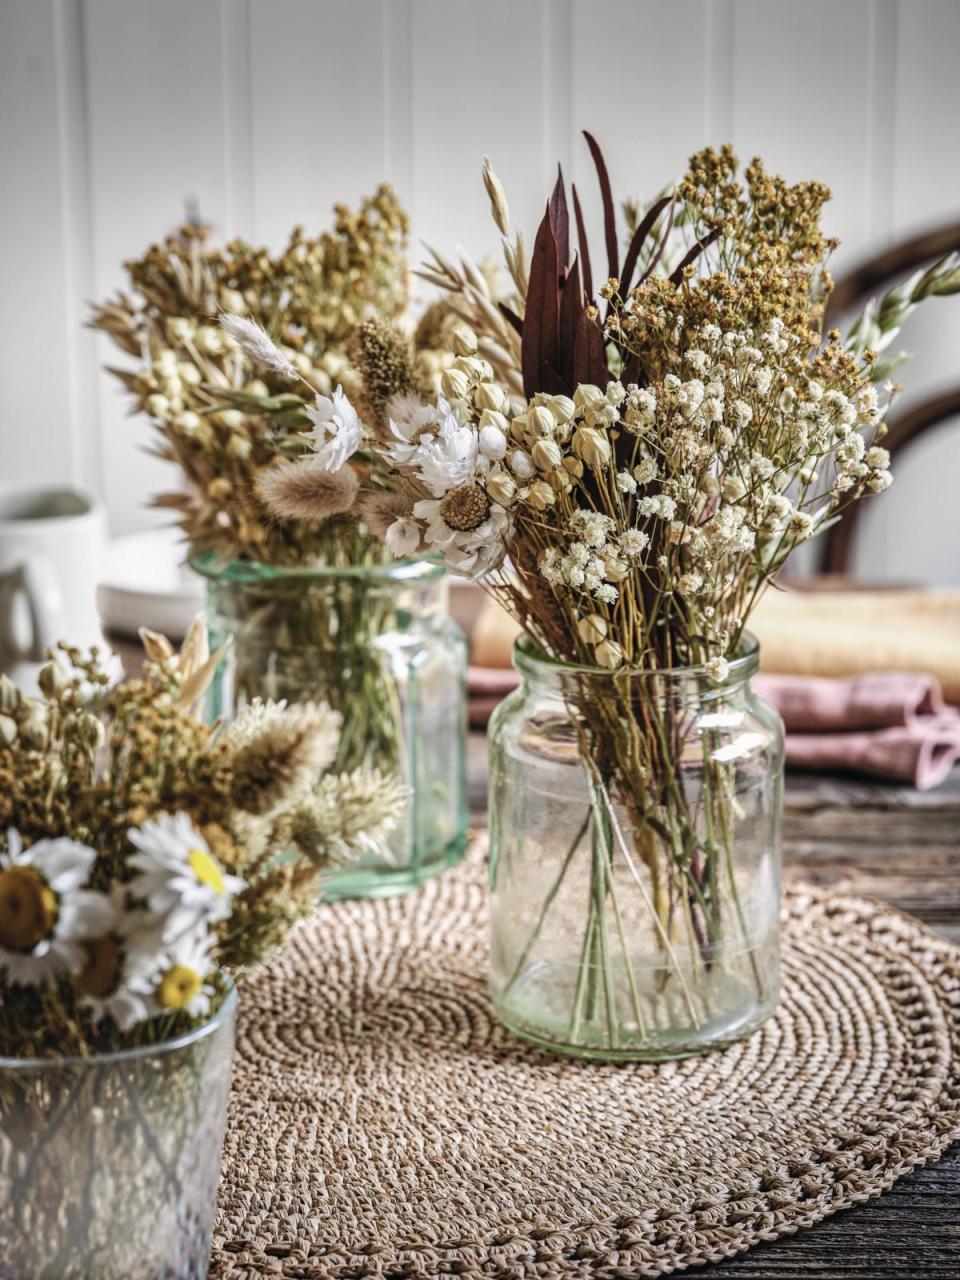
(383,1124)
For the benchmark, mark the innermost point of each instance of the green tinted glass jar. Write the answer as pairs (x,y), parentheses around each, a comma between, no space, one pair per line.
(376,643)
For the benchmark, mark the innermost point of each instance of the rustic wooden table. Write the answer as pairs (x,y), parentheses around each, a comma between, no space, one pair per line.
(902,846)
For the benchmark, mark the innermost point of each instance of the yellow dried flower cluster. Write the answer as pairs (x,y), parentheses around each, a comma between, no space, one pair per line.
(221,420)
(139,847)
(767,253)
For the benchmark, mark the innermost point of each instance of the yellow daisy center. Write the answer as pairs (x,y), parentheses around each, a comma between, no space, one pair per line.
(178,986)
(206,870)
(28,908)
(100,973)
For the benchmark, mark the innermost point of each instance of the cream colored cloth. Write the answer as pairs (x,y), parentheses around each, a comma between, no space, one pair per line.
(845,633)
(822,633)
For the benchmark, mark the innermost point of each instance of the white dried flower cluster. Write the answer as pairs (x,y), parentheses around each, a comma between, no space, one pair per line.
(668,504)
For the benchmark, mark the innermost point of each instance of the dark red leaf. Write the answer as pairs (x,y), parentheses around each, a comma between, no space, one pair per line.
(694,253)
(560,220)
(571,309)
(609,213)
(584,247)
(636,244)
(539,345)
(589,358)
(511,317)
(661,247)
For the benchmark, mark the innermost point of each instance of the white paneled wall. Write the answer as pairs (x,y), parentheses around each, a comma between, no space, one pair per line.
(266,112)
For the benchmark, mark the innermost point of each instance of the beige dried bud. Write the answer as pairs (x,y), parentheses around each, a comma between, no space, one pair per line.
(541,495)
(454,384)
(546,455)
(463,341)
(502,488)
(489,396)
(592,446)
(239,447)
(518,428)
(592,629)
(574,466)
(563,408)
(10,695)
(608,654)
(587,395)
(540,422)
(158,406)
(34,725)
(8,731)
(52,678)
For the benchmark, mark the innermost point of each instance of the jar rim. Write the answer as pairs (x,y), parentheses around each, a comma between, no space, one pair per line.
(530,660)
(136,1052)
(416,569)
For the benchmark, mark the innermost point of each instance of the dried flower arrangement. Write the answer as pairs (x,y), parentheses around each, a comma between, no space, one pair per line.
(139,848)
(232,424)
(204,396)
(626,470)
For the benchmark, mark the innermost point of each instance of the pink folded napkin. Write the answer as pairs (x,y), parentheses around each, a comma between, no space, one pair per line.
(891,725)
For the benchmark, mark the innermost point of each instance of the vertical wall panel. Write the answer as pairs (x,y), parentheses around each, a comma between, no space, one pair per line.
(157,138)
(477,86)
(42,419)
(800,89)
(914,532)
(112,112)
(640,85)
(317,100)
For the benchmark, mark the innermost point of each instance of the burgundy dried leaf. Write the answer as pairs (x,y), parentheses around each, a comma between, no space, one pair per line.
(609,213)
(694,253)
(511,317)
(539,345)
(589,358)
(637,243)
(584,247)
(571,309)
(560,221)
(661,247)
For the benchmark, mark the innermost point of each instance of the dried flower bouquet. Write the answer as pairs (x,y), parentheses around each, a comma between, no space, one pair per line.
(626,473)
(145,857)
(288,582)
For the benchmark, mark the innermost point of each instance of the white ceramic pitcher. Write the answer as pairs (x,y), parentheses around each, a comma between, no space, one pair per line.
(52,543)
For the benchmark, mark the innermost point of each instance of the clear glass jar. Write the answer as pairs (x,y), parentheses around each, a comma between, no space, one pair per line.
(635,829)
(376,643)
(109,1164)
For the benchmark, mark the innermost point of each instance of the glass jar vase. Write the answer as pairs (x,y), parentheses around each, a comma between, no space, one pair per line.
(376,643)
(635,830)
(109,1164)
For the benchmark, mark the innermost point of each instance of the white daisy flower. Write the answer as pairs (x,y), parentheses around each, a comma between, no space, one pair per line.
(450,458)
(126,949)
(44,913)
(467,527)
(337,430)
(179,878)
(412,423)
(175,980)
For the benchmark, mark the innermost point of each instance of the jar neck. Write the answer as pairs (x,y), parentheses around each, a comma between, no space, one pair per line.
(395,575)
(688,686)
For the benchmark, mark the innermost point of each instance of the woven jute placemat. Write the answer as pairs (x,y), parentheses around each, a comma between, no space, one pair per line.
(383,1124)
